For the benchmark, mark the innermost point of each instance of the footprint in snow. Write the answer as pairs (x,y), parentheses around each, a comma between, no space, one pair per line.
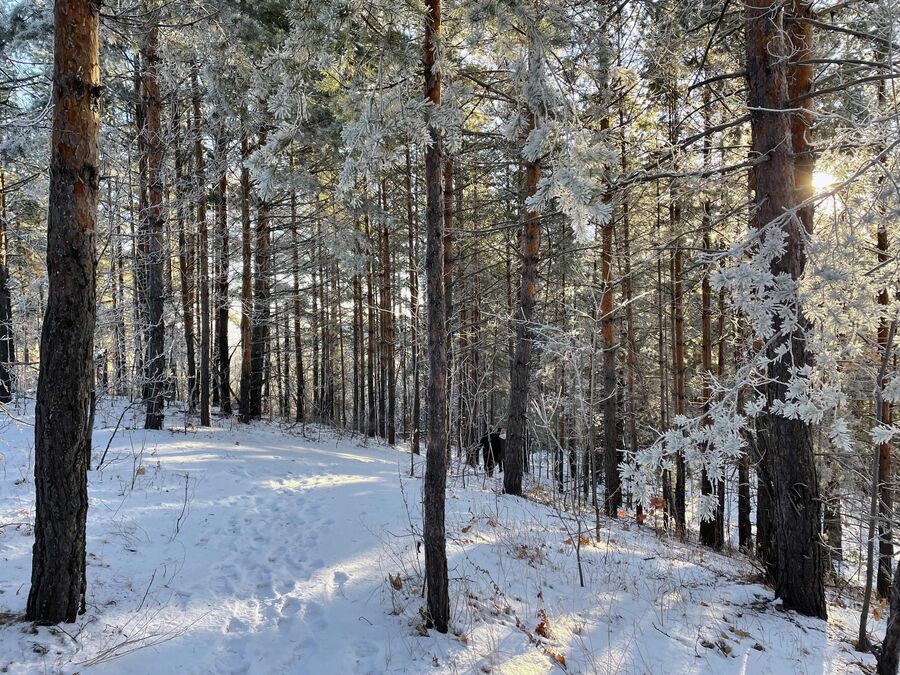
(341,578)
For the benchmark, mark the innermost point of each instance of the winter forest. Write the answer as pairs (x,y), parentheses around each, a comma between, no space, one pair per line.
(452,336)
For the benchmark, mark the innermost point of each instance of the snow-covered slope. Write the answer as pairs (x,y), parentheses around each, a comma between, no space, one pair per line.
(267,550)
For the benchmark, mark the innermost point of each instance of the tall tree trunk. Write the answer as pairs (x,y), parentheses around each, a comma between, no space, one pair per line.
(152,226)
(200,176)
(449,262)
(613,496)
(413,308)
(246,281)
(678,366)
(259,325)
(223,361)
(298,333)
(387,325)
(371,419)
(520,374)
(797,510)
(7,349)
(438,598)
(889,659)
(710,532)
(185,265)
(63,407)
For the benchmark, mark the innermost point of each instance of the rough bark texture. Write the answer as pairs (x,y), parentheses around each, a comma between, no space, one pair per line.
(246,280)
(520,374)
(203,229)
(613,496)
(679,369)
(889,658)
(413,309)
(387,327)
(185,267)
(438,598)
(152,234)
(711,531)
(799,564)
(222,300)
(7,348)
(259,325)
(63,419)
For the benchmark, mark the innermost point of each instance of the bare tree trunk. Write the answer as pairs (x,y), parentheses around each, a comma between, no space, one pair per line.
(185,265)
(298,334)
(371,419)
(246,297)
(890,647)
(222,299)
(152,226)
(438,598)
(613,496)
(7,349)
(521,366)
(414,308)
(63,408)
(679,368)
(200,176)
(797,509)
(259,325)
(387,325)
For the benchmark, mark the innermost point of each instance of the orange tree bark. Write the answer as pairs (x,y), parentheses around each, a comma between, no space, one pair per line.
(799,566)
(63,418)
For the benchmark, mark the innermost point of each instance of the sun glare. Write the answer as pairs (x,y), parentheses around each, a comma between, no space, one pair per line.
(822,180)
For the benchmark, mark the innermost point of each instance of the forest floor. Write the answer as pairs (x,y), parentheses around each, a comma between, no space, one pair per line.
(268,550)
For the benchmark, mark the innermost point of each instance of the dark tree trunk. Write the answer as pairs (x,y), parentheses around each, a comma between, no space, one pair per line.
(152,226)
(371,419)
(520,373)
(185,266)
(246,281)
(613,496)
(63,408)
(678,366)
(298,333)
(259,328)
(890,648)
(223,360)
(797,509)
(387,326)
(711,531)
(7,348)
(200,176)
(438,597)
(413,309)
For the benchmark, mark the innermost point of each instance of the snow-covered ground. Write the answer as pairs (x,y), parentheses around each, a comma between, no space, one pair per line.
(265,550)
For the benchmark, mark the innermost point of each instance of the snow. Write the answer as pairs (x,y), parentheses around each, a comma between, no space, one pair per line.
(267,549)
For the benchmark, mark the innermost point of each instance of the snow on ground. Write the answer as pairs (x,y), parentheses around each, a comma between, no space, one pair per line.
(266,550)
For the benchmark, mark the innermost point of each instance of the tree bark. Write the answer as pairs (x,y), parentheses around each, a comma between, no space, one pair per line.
(520,374)
(200,177)
(413,309)
(223,359)
(7,348)
(438,598)
(613,496)
(152,226)
(63,407)
(259,325)
(246,281)
(799,564)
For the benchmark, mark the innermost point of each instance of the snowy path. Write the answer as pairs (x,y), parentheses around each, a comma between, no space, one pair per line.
(256,550)
(274,530)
